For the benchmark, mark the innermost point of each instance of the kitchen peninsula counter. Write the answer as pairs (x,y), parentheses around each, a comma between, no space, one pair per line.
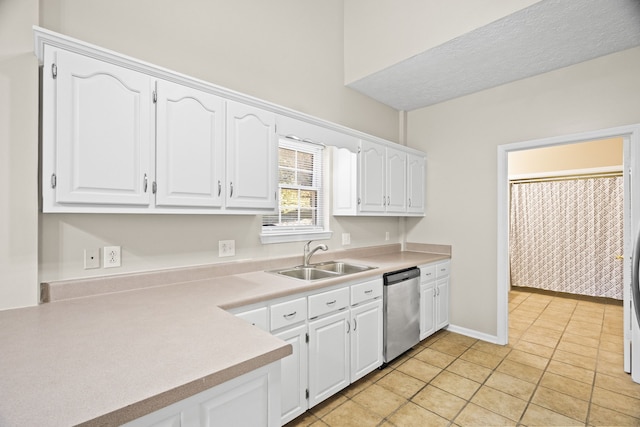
(108,358)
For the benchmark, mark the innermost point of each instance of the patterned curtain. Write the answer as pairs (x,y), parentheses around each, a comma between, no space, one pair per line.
(565,236)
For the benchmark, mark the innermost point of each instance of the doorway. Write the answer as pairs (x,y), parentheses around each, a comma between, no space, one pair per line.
(631,149)
(566,218)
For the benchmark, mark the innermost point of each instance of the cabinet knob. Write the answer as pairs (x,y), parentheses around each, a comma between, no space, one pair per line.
(231,192)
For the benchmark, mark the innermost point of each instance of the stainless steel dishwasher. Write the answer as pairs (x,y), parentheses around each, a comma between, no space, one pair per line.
(401,311)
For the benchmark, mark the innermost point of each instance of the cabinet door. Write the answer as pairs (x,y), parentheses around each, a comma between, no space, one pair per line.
(252,154)
(442,303)
(250,400)
(328,356)
(396,168)
(345,182)
(294,374)
(366,338)
(415,183)
(372,177)
(103,132)
(190,143)
(427,309)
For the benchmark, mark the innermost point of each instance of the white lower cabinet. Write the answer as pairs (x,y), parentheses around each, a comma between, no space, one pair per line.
(328,356)
(250,400)
(442,303)
(294,373)
(336,339)
(288,320)
(366,338)
(434,298)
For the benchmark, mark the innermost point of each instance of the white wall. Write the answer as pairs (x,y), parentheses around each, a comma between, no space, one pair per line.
(18,154)
(289,52)
(461,138)
(382,33)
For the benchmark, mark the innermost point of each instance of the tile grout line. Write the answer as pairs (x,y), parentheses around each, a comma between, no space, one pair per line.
(595,369)
(544,371)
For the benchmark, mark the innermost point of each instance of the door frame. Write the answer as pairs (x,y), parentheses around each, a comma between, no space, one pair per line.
(631,150)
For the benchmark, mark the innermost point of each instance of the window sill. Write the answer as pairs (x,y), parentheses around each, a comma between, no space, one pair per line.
(268,238)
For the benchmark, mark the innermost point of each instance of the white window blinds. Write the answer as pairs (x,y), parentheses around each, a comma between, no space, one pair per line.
(300,209)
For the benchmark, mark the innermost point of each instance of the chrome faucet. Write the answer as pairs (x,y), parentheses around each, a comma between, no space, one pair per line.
(307,254)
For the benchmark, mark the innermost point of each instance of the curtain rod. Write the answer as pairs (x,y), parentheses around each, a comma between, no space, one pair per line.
(567,177)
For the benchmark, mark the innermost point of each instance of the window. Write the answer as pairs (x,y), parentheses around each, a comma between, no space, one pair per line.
(300,213)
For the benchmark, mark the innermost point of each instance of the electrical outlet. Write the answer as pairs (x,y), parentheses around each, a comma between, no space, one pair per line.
(346,238)
(111,255)
(386,235)
(91,258)
(226,248)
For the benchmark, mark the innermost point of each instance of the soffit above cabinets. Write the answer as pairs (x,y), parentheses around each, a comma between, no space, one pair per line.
(548,35)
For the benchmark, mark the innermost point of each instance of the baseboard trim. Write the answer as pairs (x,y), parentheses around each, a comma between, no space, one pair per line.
(473,334)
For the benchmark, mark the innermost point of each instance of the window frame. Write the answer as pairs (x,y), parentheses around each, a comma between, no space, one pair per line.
(281,234)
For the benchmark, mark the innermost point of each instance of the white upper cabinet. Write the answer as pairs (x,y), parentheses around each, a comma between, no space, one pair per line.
(123,136)
(415,183)
(396,182)
(380,180)
(190,147)
(252,156)
(372,177)
(97,132)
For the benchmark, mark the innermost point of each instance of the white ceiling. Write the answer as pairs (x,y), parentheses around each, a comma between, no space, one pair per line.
(546,36)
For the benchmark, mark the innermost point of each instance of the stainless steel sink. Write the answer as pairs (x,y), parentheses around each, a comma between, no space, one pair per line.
(325,270)
(306,273)
(342,267)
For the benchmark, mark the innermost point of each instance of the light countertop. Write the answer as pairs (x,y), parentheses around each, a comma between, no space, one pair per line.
(107,359)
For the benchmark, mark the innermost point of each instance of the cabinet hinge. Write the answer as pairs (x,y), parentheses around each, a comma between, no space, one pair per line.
(54,180)
(306,393)
(54,70)
(155,97)
(306,337)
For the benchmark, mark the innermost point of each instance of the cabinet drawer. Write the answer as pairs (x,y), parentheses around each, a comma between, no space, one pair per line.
(327,302)
(427,273)
(442,269)
(288,313)
(257,317)
(366,291)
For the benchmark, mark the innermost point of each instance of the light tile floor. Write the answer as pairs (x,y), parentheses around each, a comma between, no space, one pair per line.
(563,367)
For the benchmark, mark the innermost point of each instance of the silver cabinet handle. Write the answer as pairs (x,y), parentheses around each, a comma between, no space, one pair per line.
(388,201)
(355,324)
(348,327)
(409,201)
(231,185)
(368,291)
(219,188)
(331,302)
(145,182)
(287,316)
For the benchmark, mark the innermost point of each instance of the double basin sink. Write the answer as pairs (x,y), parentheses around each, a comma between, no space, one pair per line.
(325,270)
